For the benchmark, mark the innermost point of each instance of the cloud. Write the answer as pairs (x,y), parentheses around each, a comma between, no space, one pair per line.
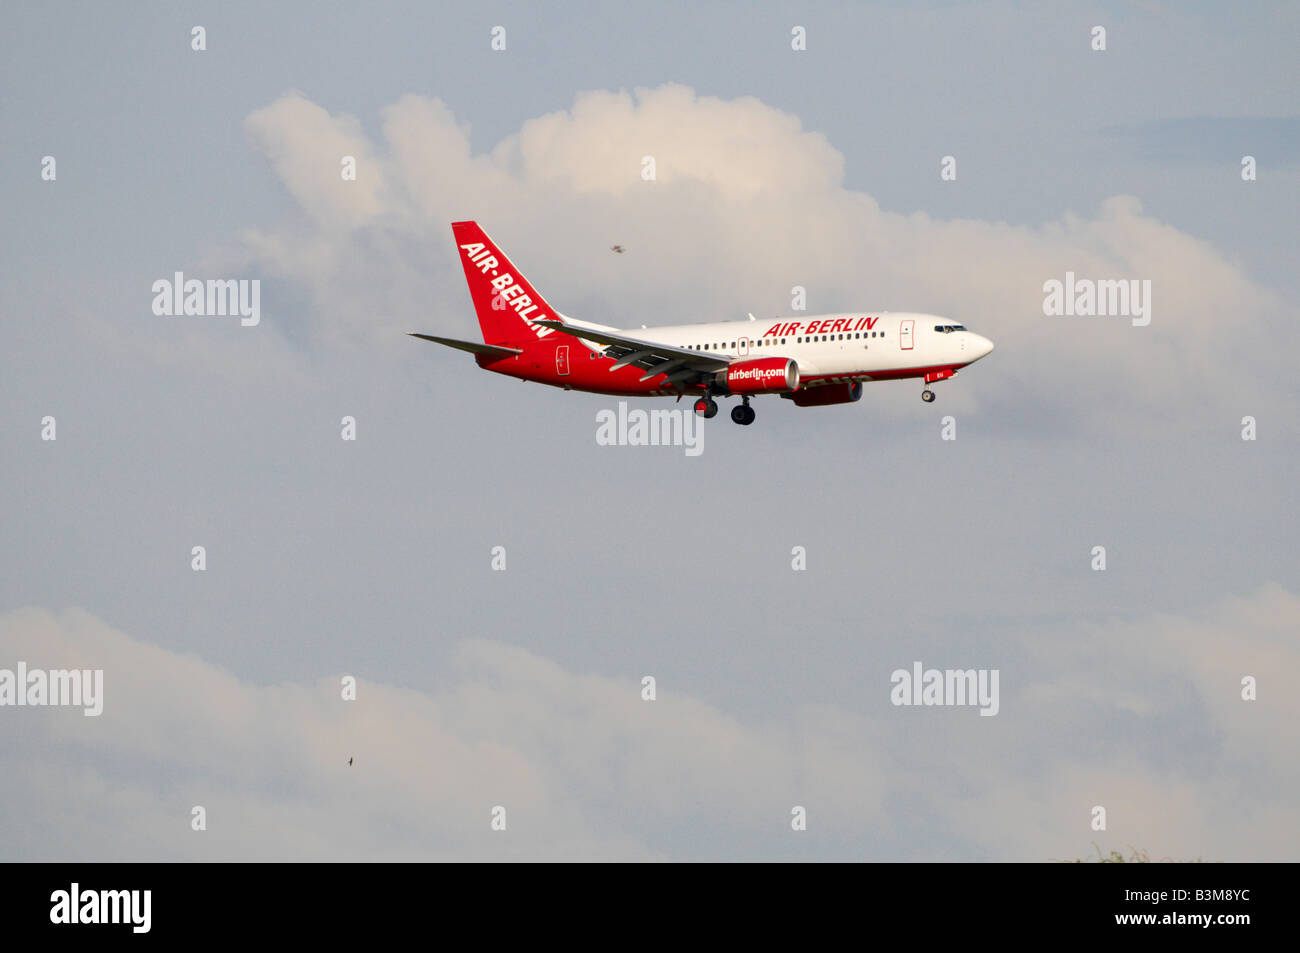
(746,205)
(581,763)
(306,146)
(1142,717)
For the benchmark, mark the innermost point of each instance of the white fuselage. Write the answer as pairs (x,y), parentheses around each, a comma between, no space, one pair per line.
(852,346)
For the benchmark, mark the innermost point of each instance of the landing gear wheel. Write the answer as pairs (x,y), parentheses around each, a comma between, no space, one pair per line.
(706,407)
(743,415)
(927,396)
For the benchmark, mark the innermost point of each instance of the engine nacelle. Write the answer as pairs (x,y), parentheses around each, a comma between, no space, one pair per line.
(761,376)
(829,394)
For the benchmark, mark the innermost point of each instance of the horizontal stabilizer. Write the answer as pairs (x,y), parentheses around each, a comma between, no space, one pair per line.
(491,350)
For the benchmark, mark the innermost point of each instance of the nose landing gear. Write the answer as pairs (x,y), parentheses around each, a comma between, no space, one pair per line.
(927,395)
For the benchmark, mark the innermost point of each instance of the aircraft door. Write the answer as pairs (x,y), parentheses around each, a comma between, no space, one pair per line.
(562,360)
(905,334)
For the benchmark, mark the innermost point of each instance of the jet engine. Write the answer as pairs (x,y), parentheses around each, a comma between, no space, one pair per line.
(826,395)
(762,376)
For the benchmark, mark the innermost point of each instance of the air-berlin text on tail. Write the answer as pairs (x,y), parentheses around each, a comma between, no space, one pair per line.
(823,326)
(507,289)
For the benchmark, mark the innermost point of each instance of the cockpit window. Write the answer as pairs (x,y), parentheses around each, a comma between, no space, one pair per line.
(949,328)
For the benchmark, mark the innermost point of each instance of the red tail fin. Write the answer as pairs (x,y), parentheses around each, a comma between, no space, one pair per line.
(503,298)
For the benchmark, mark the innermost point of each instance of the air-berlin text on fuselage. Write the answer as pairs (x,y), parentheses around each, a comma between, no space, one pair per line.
(507,289)
(823,326)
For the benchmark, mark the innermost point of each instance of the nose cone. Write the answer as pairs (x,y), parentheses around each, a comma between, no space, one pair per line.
(983,346)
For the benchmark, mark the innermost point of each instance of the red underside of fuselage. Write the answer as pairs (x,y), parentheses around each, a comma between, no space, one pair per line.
(544,362)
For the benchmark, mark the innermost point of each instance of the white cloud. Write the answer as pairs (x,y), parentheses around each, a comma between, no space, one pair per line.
(306,147)
(269,762)
(747,204)
(586,769)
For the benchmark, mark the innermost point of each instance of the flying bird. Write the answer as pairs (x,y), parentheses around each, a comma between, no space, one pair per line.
(349,762)
(617,248)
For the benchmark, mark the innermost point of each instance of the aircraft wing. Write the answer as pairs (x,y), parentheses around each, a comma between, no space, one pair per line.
(679,363)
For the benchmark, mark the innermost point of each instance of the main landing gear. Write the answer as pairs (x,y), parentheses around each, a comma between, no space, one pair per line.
(743,414)
(706,407)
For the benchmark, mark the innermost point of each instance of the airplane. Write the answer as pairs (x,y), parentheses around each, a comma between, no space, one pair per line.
(811,360)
